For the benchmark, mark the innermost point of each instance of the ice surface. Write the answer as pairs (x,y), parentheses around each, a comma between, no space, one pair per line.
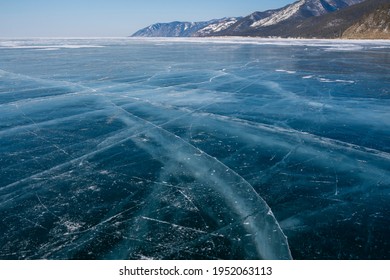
(194,149)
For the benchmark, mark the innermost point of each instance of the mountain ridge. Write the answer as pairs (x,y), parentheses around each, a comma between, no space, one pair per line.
(301,19)
(186,28)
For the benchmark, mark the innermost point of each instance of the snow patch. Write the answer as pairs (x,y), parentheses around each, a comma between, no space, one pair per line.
(285,71)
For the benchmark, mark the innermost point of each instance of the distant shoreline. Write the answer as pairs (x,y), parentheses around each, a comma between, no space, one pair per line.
(220,38)
(258,38)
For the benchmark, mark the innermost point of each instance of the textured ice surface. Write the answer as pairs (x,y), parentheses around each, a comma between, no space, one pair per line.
(197,149)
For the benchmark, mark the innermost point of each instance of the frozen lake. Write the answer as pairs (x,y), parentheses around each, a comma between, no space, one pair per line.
(194,149)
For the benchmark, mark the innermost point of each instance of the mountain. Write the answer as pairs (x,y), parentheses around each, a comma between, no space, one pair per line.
(185,29)
(301,19)
(331,25)
(375,24)
(302,9)
(171,29)
(278,22)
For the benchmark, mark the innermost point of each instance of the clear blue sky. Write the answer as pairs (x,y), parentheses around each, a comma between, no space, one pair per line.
(101,18)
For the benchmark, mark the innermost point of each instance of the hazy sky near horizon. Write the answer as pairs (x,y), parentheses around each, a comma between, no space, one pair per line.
(112,18)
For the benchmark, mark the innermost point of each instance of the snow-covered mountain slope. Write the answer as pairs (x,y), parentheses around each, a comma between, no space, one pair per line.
(304,9)
(280,15)
(329,25)
(221,25)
